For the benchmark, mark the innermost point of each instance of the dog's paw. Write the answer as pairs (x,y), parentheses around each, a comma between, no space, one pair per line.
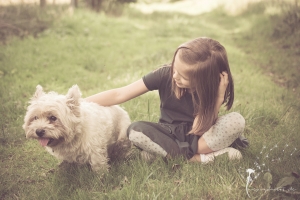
(119,150)
(65,165)
(100,169)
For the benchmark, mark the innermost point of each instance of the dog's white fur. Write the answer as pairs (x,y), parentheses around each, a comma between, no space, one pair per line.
(74,130)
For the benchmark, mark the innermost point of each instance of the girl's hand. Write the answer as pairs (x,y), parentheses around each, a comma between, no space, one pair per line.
(223,85)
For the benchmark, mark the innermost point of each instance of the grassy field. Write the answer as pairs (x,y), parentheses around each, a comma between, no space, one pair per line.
(99,52)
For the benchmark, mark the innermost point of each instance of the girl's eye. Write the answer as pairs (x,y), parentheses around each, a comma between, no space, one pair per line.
(52,118)
(185,79)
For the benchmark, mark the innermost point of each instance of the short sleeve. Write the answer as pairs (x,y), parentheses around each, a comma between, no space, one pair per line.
(155,79)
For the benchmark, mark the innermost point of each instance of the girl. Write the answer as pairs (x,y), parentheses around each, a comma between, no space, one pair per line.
(192,89)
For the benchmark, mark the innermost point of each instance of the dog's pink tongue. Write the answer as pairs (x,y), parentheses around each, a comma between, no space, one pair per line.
(43,141)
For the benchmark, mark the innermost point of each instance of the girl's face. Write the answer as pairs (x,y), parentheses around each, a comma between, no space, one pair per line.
(180,73)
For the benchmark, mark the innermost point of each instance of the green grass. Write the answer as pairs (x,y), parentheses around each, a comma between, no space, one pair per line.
(98,52)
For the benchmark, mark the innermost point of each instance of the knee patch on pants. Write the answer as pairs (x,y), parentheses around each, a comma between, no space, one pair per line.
(145,143)
(154,134)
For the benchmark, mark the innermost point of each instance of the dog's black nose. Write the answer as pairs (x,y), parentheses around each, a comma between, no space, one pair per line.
(40,132)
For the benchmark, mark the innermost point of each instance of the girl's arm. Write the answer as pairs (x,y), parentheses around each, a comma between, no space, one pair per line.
(119,95)
(221,94)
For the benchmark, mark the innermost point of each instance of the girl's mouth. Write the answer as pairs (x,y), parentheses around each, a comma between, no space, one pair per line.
(177,83)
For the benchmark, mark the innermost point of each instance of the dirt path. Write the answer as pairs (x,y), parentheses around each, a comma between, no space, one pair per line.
(192,7)
(195,7)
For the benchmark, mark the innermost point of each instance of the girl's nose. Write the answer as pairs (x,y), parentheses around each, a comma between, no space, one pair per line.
(175,75)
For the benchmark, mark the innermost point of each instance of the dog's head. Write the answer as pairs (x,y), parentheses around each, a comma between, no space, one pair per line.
(52,118)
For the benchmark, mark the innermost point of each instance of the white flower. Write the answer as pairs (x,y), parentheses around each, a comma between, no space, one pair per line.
(250,171)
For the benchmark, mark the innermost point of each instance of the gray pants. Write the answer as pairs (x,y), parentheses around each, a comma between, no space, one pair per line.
(172,139)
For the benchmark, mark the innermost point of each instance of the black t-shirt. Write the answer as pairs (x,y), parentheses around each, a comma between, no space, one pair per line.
(172,110)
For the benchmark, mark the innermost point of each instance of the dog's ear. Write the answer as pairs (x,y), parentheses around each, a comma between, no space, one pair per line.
(38,93)
(73,97)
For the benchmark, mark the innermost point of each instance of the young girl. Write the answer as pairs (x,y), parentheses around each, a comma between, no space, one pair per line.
(192,89)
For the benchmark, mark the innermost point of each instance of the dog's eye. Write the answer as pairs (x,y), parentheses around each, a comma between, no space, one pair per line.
(52,118)
(35,118)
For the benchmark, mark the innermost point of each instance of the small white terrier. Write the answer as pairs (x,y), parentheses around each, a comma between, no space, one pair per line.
(77,131)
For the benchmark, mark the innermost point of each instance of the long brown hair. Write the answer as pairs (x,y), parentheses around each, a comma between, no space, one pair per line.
(207,58)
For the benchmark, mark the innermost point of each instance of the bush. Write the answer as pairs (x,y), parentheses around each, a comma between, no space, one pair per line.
(23,20)
(106,5)
(289,22)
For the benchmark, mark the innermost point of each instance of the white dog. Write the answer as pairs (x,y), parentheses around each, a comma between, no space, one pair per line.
(74,130)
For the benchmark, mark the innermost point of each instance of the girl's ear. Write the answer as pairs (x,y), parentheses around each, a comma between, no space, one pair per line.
(38,93)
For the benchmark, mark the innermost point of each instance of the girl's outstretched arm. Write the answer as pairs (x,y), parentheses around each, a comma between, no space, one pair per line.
(119,95)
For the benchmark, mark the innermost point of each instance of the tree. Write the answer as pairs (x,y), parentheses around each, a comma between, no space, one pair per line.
(42,3)
(74,3)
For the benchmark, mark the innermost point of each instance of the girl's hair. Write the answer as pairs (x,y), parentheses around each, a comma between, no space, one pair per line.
(207,58)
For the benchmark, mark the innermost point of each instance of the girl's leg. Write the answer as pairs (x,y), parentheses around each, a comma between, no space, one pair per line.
(152,138)
(144,142)
(221,135)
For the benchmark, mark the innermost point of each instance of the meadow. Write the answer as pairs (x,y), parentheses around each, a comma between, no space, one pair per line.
(98,52)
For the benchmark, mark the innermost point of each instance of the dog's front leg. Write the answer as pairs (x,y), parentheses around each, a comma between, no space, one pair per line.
(99,162)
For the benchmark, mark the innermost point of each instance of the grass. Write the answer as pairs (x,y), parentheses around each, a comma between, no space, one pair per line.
(98,52)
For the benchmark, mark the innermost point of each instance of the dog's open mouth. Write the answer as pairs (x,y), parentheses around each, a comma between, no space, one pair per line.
(45,141)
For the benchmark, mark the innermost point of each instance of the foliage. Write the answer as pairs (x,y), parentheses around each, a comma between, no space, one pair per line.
(288,23)
(24,20)
(107,5)
(157,1)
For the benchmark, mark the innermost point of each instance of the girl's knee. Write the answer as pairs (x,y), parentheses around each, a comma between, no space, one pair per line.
(238,121)
(144,142)
(136,126)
